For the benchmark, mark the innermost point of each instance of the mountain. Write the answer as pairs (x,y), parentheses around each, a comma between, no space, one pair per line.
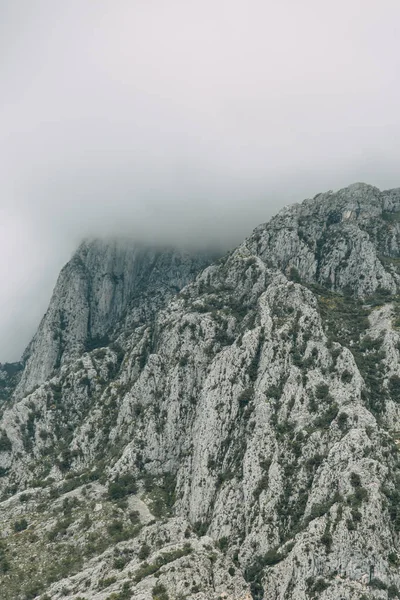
(214,430)
(10,374)
(107,287)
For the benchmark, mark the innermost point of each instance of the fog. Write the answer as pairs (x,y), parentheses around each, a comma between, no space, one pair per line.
(180,122)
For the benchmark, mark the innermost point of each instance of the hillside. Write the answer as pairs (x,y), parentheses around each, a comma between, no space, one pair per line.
(181,427)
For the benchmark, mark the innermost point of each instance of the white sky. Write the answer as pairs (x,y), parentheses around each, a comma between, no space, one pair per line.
(188,121)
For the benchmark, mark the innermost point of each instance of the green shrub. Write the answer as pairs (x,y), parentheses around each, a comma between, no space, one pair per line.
(223,544)
(358,497)
(120,562)
(322,391)
(393,592)
(20,525)
(4,564)
(346,376)
(115,528)
(369,344)
(60,528)
(159,592)
(122,486)
(377,584)
(355,480)
(356,515)
(25,497)
(272,557)
(394,388)
(253,367)
(144,551)
(261,486)
(393,496)
(274,391)
(320,586)
(327,417)
(253,573)
(125,592)
(5,443)
(245,398)
(294,275)
(161,494)
(342,421)
(86,522)
(315,461)
(33,590)
(106,582)
(200,528)
(163,559)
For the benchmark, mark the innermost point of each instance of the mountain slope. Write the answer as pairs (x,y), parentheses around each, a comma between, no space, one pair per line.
(102,284)
(242,441)
(345,241)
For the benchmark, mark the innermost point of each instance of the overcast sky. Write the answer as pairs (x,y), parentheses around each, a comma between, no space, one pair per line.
(180,120)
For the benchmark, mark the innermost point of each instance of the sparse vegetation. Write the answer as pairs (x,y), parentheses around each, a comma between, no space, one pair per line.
(275,422)
(122,486)
(163,559)
(20,525)
(5,443)
(159,592)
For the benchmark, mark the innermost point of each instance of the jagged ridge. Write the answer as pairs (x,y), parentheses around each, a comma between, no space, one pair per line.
(254,418)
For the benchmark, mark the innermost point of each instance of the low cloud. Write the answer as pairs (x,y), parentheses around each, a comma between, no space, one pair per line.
(181,122)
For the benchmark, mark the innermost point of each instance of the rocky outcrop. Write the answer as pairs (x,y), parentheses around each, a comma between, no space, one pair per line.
(10,374)
(108,286)
(239,441)
(346,241)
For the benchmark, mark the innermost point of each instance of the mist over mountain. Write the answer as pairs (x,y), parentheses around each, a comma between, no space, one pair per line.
(199,342)
(182,122)
(185,425)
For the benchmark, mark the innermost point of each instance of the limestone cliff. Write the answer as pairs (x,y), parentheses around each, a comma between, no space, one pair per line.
(107,286)
(237,440)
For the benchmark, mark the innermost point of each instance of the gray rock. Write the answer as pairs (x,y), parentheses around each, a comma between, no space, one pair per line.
(239,439)
(106,287)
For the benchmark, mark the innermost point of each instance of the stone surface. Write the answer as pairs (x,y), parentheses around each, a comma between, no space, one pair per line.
(237,439)
(105,287)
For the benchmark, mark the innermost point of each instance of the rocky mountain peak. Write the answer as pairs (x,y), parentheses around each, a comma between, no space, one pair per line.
(235,438)
(108,285)
(347,241)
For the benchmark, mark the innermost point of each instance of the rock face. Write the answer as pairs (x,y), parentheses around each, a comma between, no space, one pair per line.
(235,439)
(10,374)
(106,286)
(337,240)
